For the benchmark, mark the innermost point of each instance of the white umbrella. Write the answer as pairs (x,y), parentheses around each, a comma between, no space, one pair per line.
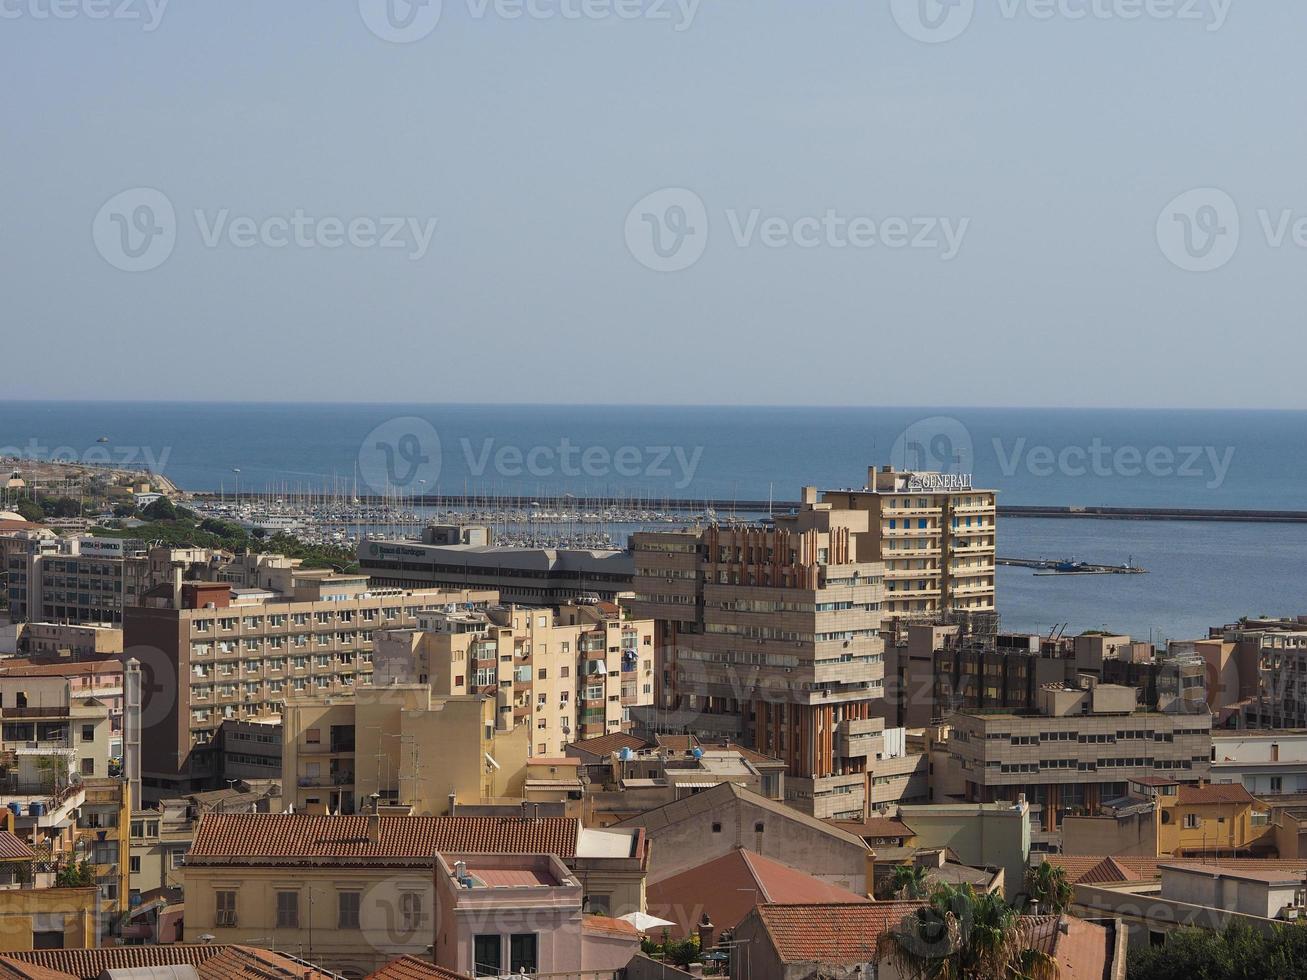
(643,922)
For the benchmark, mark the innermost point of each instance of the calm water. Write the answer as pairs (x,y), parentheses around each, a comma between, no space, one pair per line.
(1199,573)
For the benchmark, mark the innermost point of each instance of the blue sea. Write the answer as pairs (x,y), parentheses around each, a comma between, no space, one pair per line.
(1199,574)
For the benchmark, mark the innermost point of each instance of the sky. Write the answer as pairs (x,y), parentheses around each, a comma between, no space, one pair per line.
(1004,202)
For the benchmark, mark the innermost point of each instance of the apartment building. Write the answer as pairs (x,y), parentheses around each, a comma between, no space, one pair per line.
(71,641)
(935,534)
(571,671)
(1078,748)
(212,652)
(1260,669)
(339,753)
(72,713)
(770,634)
(85,579)
(450,556)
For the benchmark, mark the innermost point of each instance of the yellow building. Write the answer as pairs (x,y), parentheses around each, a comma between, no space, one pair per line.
(1210,818)
(48,918)
(573,671)
(352,892)
(402,743)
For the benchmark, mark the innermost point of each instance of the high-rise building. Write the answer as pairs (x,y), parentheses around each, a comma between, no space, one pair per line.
(771,634)
(935,534)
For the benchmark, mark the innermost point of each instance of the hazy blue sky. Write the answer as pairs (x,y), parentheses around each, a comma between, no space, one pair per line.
(1051,147)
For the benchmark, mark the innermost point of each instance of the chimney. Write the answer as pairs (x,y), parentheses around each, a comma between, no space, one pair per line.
(177,587)
(374,827)
(809,495)
(705,931)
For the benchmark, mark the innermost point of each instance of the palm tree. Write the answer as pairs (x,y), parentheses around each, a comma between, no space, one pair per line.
(1047,884)
(960,935)
(909,881)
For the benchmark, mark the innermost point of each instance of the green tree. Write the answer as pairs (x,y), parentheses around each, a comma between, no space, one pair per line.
(75,875)
(1239,952)
(962,935)
(160,510)
(909,881)
(1047,884)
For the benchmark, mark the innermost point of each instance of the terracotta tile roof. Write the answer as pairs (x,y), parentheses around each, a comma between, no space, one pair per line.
(1214,793)
(212,962)
(1108,870)
(1082,949)
(1077,866)
(608,744)
(728,887)
(412,968)
(605,926)
(833,934)
(244,838)
(13,848)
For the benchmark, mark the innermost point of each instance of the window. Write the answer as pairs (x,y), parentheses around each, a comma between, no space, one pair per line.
(716,828)
(522,953)
(349,910)
(757,828)
(1192,821)
(88,767)
(313,736)
(88,733)
(410,910)
(226,908)
(134,864)
(599,904)
(1277,784)
(487,955)
(288,910)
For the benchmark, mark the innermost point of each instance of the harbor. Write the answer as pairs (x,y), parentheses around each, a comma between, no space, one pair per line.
(1070,566)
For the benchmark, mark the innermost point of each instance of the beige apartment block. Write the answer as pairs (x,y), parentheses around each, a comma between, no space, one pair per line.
(73,641)
(1079,749)
(212,652)
(935,534)
(771,634)
(69,712)
(403,744)
(569,672)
